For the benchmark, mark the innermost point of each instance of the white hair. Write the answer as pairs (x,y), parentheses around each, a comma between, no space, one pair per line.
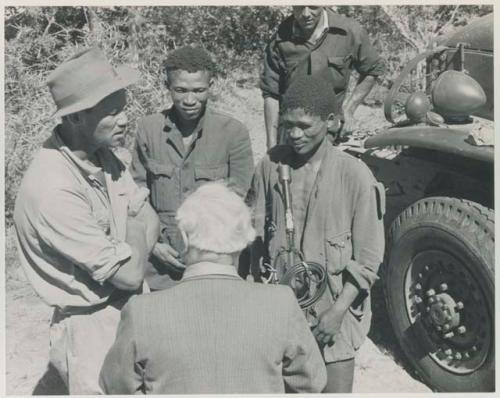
(216,219)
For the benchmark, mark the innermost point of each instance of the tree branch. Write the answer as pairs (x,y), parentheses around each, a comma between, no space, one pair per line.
(401,28)
(450,20)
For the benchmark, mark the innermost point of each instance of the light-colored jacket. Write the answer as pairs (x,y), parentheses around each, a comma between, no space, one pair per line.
(343,231)
(213,333)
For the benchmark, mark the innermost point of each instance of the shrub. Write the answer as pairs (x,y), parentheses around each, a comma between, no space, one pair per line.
(39,38)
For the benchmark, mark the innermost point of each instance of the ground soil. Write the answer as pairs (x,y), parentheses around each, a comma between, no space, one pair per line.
(380,366)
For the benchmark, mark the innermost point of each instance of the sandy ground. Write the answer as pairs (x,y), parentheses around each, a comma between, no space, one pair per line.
(378,365)
(27,338)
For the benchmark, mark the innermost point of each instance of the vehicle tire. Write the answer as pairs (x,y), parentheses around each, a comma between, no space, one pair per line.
(439,290)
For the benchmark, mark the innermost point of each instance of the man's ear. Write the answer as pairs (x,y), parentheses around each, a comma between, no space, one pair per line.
(211,82)
(166,81)
(333,123)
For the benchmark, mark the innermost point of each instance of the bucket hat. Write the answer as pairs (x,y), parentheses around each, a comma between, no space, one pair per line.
(85,79)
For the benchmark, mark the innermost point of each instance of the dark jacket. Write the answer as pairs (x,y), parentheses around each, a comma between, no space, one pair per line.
(343,47)
(221,150)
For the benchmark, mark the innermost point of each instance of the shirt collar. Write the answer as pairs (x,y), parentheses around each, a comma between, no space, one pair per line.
(330,20)
(86,167)
(208,268)
(320,29)
(171,121)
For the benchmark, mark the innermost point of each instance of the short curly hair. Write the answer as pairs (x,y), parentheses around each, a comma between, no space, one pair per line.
(313,93)
(189,59)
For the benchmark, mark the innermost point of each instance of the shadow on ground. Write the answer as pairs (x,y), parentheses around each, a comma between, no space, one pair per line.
(50,383)
(381,332)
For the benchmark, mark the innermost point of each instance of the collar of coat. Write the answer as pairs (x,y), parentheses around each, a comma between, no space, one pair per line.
(206,268)
(286,31)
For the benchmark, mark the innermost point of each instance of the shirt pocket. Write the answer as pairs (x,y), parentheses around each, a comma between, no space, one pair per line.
(340,70)
(338,251)
(161,184)
(210,173)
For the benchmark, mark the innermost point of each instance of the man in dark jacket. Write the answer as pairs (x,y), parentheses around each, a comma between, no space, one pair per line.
(311,39)
(185,146)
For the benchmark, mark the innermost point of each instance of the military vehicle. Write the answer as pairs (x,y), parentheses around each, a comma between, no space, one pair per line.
(436,163)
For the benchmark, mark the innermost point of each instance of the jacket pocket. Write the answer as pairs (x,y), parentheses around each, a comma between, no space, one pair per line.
(338,251)
(211,173)
(161,176)
(340,69)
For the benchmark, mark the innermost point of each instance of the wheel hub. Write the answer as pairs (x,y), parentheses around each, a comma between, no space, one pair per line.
(446,299)
(443,311)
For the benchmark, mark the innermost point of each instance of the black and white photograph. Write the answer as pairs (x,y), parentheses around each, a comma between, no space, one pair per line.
(249,199)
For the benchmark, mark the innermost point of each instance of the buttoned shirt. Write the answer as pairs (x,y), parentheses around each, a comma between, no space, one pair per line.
(343,46)
(220,150)
(70,218)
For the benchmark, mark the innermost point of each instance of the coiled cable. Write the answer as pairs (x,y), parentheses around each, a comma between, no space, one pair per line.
(313,278)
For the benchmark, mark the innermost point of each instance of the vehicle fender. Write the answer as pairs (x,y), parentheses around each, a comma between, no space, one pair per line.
(449,140)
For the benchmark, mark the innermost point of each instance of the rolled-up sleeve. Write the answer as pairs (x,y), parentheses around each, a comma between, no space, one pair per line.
(270,76)
(121,373)
(303,366)
(67,225)
(367,231)
(367,60)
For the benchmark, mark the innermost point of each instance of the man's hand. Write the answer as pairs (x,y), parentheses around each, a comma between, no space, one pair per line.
(168,256)
(350,125)
(329,322)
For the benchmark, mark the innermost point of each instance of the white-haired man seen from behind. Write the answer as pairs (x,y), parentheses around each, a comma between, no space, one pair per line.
(213,332)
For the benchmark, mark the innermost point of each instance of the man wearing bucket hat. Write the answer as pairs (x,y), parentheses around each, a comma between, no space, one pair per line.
(185,146)
(213,332)
(84,229)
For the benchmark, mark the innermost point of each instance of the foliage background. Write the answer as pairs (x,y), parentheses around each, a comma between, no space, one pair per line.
(37,39)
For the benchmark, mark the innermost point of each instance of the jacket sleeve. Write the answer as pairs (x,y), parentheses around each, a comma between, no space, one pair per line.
(303,366)
(139,156)
(240,160)
(67,225)
(256,199)
(367,61)
(367,230)
(121,373)
(270,76)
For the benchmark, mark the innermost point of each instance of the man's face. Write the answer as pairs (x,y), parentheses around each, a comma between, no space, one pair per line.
(304,132)
(189,93)
(105,123)
(307,17)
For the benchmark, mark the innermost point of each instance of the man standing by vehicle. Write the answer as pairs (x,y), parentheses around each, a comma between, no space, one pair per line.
(84,228)
(311,39)
(337,208)
(183,147)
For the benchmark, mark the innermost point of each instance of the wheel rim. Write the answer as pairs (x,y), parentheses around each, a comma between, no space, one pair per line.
(442,294)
